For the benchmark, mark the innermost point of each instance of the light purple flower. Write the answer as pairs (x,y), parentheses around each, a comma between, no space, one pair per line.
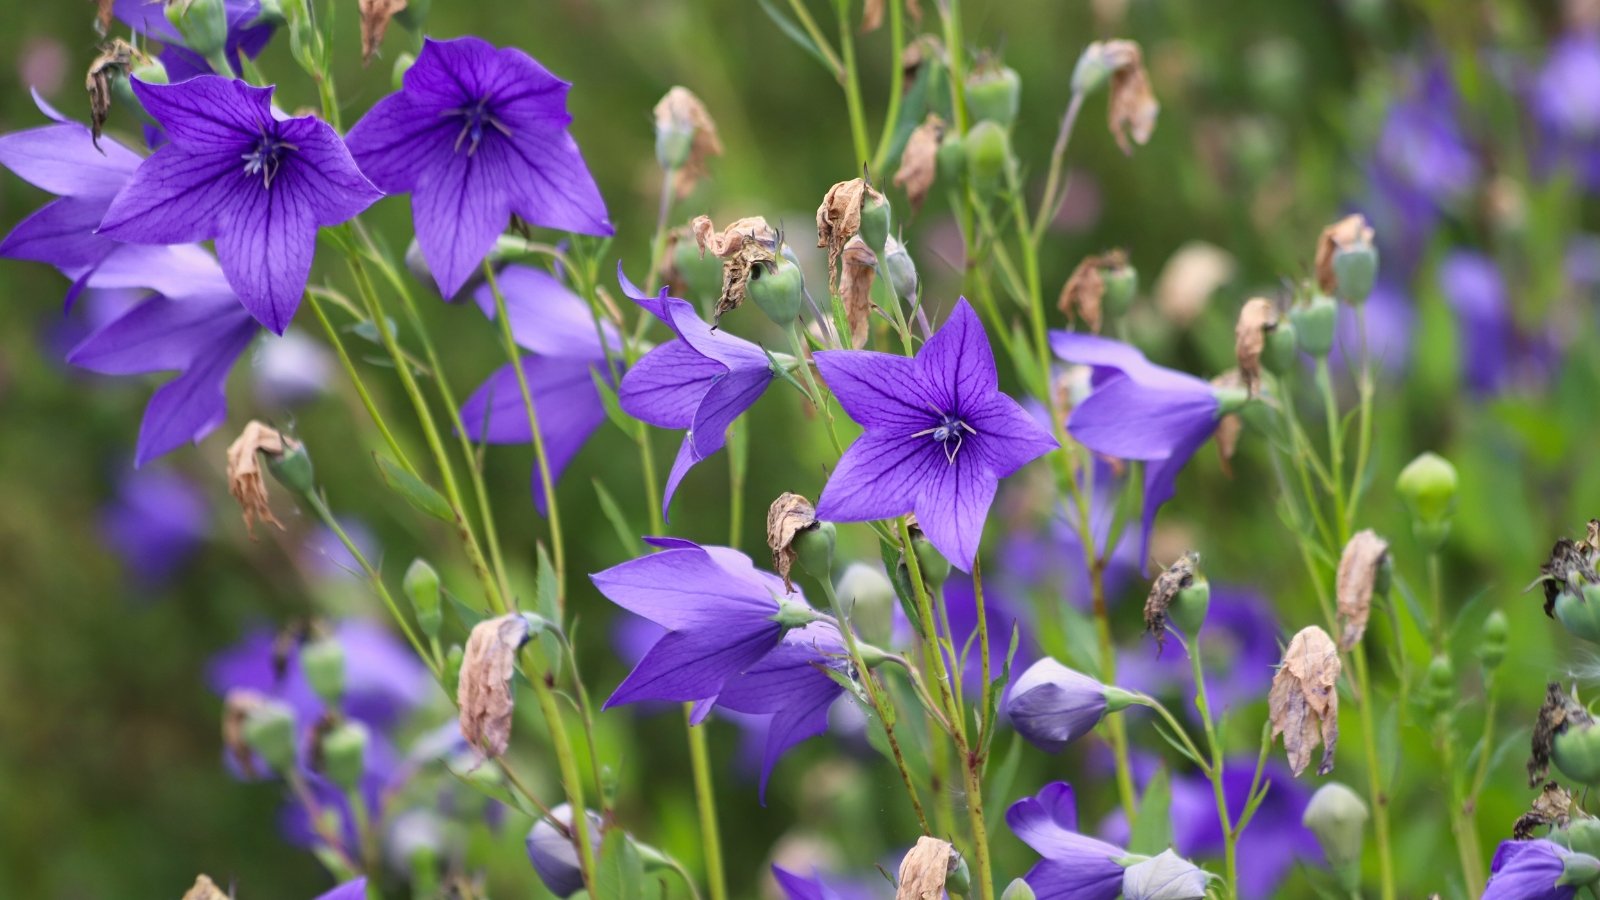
(232,171)
(1472,285)
(1529,870)
(816,887)
(566,355)
(1075,866)
(1052,705)
(939,436)
(1566,101)
(1423,147)
(476,134)
(156,523)
(1139,410)
(702,381)
(350,890)
(552,854)
(248,34)
(1166,876)
(1391,324)
(291,371)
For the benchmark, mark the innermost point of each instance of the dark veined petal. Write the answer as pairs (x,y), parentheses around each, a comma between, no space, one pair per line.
(209,113)
(879,477)
(665,386)
(878,390)
(956,364)
(1125,419)
(954,504)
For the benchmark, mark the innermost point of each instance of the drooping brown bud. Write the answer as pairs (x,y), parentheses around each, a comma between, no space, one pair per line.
(245,481)
(742,246)
(1132,109)
(1163,591)
(375,16)
(1571,565)
(1303,704)
(789,515)
(680,112)
(1359,570)
(1231,426)
(1347,233)
(1559,712)
(1081,296)
(236,709)
(855,289)
(204,889)
(116,57)
(484,691)
(1553,808)
(925,868)
(919,162)
(1257,318)
(839,218)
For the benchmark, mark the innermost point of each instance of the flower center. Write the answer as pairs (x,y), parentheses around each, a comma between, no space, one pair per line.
(266,157)
(949,432)
(474,119)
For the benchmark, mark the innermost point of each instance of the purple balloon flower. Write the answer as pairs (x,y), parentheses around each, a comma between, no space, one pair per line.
(1075,866)
(478,133)
(1566,100)
(350,890)
(720,612)
(232,171)
(939,436)
(1052,705)
(1530,870)
(248,34)
(156,522)
(702,381)
(800,887)
(1472,285)
(1139,410)
(556,325)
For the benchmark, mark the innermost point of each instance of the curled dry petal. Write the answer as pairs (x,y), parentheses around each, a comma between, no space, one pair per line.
(1553,807)
(1303,704)
(871,16)
(484,691)
(789,515)
(1132,109)
(742,246)
(375,16)
(1230,426)
(1359,568)
(1560,711)
(116,57)
(925,868)
(245,481)
(1257,318)
(839,218)
(855,289)
(1350,231)
(1163,591)
(204,889)
(1571,563)
(681,110)
(103,14)
(919,162)
(1086,287)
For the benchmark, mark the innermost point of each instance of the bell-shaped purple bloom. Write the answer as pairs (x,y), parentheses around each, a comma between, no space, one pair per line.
(1241,653)
(475,134)
(552,854)
(566,354)
(1529,870)
(1075,866)
(1139,410)
(720,612)
(702,381)
(232,171)
(156,523)
(199,334)
(1052,705)
(815,887)
(1566,101)
(248,34)
(939,436)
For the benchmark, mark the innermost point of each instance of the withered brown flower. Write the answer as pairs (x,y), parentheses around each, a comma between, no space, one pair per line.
(1553,807)
(1163,591)
(1303,704)
(1132,109)
(1359,570)
(855,289)
(742,246)
(1559,712)
(1257,318)
(919,162)
(680,110)
(204,889)
(117,56)
(484,690)
(375,16)
(839,218)
(1081,296)
(789,515)
(1349,232)
(925,868)
(245,481)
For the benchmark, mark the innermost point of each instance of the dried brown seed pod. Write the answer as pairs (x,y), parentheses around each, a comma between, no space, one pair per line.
(245,481)
(855,289)
(789,515)
(1257,318)
(919,162)
(1163,591)
(1360,567)
(1350,231)
(484,690)
(1303,704)
(682,112)
(925,868)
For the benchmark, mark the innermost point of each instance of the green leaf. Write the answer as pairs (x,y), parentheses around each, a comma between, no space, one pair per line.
(621,870)
(1173,742)
(619,522)
(613,407)
(1152,830)
(413,489)
(1389,745)
(1002,776)
(901,581)
(795,33)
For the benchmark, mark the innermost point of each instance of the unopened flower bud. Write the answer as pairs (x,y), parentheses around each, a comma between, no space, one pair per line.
(1347,261)
(1428,486)
(1052,705)
(1164,877)
(1579,869)
(1440,688)
(292,468)
(1018,890)
(994,94)
(867,597)
(1314,325)
(934,567)
(203,24)
(402,65)
(1121,284)
(1338,818)
(553,855)
(342,754)
(1492,642)
(951,160)
(1579,612)
(778,291)
(1581,835)
(1281,352)
(902,269)
(988,152)
(322,660)
(1092,69)
(421,585)
(1189,607)
(814,550)
(150,70)
(269,732)
(1576,752)
(876,217)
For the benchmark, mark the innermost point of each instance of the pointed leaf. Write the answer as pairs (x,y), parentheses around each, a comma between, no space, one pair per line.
(1152,829)
(413,489)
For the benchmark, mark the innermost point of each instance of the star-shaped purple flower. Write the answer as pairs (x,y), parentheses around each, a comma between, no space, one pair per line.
(702,381)
(1075,866)
(232,171)
(475,134)
(1139,410)
(939,436)
(556,325)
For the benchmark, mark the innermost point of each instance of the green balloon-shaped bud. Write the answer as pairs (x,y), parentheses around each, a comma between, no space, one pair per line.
(1428,486)
(994,94)
(421,585)
(1338,818)
(876,218)
(322,661)
(1582,835)
(269,732)
(1492,642)
(203,24)
(1314,325)
(1576,752)
(1018,890)
(951,159)
(778,291)
(1121,284)
(1355,270)
(1579,613)
(1189,607)
(988,151)
(1440,690)
(1282,348)
(292,468)
(343,754)
(813,549)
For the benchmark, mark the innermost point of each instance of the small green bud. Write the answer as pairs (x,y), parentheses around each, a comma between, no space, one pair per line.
(292,468)
(1582,835)
(988,151)
(1441,687)
(322,660)
(875,219)
(934,567)
(1281,352)
(867,596)
(1356,270)
(1092,70)
(1576,752)
(203,24)
(994,94)
(452,668)
(1338,818)
(951,159)
(1579,869)
(150,71)
(415,16)
(1188,609)
(1428,486)
(902,269)
(779,291)
(342,753)
(421,585)
(269,733)
(794,613)
(1314,325)
(813,549)
(1018,890)
(1121,284)
(1492,642)
(1579,613)
(959,881)
(608,786)
(402,65)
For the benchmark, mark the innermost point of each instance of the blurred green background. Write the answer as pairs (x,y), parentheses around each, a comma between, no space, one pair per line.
(110,758)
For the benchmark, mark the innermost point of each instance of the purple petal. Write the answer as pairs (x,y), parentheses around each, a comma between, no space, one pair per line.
(665,386)
(681,464)
(547,318)
(953,505)
(1007,438)
(877,389)
(1127,420)
(689,665)
(62,159)
(266,245)
(956,365)
(684,590)
(176,196)
(1106,356)
(727,399)
(350,890)
(208,114)
(879,477)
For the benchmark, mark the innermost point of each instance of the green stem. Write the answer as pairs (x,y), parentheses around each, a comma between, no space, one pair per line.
(1177,728)
(705,800)
(809,24)
(852,86)
(987,690)
(891,116)
(571,781)
(1203,704)
(1050,204)
(1330,405)
(1436,600)
(957,52)
(1461,826)
(360,385)
(1380,800)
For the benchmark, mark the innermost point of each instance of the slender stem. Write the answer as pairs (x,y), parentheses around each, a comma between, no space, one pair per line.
(1177,728)
(957,51)
(1436,600)
(1482,775)
(852,87)
(360,385)
(812,31)
(1203,704)
(1330,405)
(571,781)
(1380,800)
(705,800)
(1050,204)
(1364,416)
(891,116)
(1116,729)
(1461,826)
(987,690)
(738,459)
(330,836)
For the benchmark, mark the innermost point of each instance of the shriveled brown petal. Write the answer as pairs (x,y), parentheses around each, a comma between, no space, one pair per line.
(855,289)
(375,16)
(1256,318)
(1570,561)
(484,691)
(1133,108)
(116,58)
(1303,704)
(1553,807)
(1231,426)
(204,889)
(924,870)
(1163,591)
(742,246)
(919,162)
(789,515)
(839,218)
(1350,231)
(681,109)
(1358,572)
(1560,710)
(871,16)
(1081,296)
(237,707)
(103,14)
(245,481)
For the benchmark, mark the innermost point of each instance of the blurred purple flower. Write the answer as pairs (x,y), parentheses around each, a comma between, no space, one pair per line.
(291,371)
(1423,148)
(702,381)
(379,781)
(939,436)
(476,134)
(156,523)
(232,171)
(1240,645)
(1139,410)
(1566,100)
(1391,323)
(324,556)
(566,354)
(247,34)
(1075,866)
(815,887)
(350,890)
(1473,288)
(1529,870)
